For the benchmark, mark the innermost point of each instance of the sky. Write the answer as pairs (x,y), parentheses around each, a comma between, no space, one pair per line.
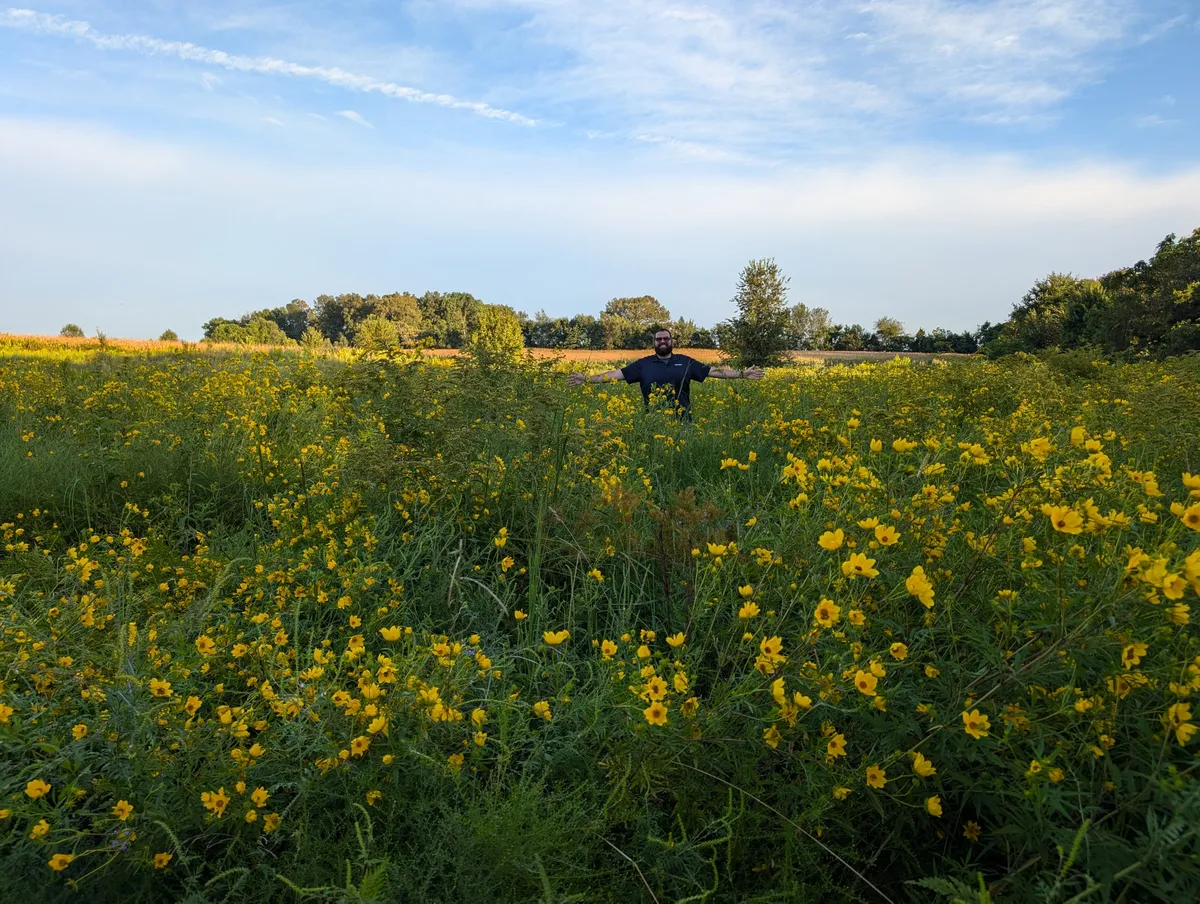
(162,163)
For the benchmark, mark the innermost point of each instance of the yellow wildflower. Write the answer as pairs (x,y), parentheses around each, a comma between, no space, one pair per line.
(865,682)
(858,565)
(832,539)
(886,534)
(827,613)
(656,713)
(836,746)
(1063,518)
(975,724)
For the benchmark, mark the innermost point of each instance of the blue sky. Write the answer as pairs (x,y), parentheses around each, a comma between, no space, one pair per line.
(165,162)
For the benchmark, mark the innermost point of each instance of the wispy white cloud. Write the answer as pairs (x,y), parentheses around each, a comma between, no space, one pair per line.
(739,79)
(770,77)
(1153,120)
(719,82)
(273,121)
(1004,54)
(697,151)
(354,117)
(1161,29)
(42,23)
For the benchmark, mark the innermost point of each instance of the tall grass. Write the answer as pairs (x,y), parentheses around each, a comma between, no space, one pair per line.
(290,504)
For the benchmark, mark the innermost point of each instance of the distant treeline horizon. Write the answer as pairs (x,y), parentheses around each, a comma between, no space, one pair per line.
(1152,307)
(445,320)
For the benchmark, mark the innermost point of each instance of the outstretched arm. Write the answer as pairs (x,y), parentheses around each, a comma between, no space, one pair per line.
(608,375)
(732,373)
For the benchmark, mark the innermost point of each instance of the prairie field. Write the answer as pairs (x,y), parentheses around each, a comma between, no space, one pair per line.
(279,627)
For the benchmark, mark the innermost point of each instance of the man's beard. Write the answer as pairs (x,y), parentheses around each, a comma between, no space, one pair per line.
(663,351)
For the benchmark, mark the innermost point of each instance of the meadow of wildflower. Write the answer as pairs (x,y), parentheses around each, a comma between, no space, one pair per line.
(285,628)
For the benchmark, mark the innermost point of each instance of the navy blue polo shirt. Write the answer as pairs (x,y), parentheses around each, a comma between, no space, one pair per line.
(677,372)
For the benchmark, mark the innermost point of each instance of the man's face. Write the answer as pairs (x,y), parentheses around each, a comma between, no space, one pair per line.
(663,343)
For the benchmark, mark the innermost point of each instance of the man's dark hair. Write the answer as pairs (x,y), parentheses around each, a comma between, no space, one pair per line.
(664,329)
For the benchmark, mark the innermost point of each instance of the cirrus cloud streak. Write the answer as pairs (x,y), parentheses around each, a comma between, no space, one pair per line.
(45,24)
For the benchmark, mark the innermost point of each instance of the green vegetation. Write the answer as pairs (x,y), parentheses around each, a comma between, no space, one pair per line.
(757,336)
(281,627)
(1151,308)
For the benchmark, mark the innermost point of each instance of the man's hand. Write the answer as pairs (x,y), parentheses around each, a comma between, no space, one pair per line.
(732,373)
(575,379)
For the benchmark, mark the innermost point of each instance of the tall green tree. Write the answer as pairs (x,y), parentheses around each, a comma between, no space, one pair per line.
(71,331)
(757,336)
(403,310)
(631,322)
(376,333)
(257,331)
(852,338)
(808,328)
(211,326)
(336,315)
(496,339)
(446,317)
(1054,311)
(889,334)
(642,310)
(293,317)
(1156,303)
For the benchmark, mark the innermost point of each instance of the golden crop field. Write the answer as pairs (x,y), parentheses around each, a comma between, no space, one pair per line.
(598,357)
(286,628)
(84,347)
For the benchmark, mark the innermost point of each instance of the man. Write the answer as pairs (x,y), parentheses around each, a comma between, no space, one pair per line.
(665,369)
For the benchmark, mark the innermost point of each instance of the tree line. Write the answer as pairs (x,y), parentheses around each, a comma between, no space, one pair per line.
(446,320)
(1152,307)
